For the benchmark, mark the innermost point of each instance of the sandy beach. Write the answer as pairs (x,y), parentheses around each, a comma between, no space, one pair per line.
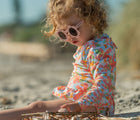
(22,82)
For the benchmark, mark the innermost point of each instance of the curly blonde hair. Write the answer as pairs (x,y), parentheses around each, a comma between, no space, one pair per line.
(93,12)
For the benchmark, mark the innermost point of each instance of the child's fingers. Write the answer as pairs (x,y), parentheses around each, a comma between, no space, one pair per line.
(62,110)
(64,106)
(71,107)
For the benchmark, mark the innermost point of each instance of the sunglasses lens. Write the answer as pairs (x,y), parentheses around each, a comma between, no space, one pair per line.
(73,32)
(62,35)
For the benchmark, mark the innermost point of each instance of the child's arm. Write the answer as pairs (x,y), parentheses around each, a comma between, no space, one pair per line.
(102,66)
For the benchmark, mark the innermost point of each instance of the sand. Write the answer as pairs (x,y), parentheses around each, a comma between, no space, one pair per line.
(22,82)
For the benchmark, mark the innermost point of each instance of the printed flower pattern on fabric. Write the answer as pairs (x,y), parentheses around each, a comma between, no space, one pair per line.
(93,79)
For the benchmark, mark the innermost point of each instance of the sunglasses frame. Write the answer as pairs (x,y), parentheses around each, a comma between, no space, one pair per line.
(67,33)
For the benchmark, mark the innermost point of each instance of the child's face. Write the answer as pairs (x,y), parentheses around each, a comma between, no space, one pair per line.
(80,35)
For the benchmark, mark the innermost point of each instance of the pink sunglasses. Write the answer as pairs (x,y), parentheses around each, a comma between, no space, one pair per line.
(71,31)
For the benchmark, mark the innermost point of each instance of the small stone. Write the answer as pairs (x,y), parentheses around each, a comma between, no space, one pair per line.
(121,101)
(5,101)
(137,89)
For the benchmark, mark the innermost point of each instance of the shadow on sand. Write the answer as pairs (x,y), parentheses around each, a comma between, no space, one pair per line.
(128,115)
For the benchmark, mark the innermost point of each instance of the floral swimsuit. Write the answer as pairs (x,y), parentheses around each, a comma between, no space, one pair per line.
(92,82)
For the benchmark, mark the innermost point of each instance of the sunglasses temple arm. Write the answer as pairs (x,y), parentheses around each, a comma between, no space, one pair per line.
(78,25)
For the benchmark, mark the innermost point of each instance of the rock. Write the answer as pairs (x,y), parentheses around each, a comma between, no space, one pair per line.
(5,101)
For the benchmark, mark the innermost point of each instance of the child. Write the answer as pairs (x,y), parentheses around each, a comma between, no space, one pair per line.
(92,83)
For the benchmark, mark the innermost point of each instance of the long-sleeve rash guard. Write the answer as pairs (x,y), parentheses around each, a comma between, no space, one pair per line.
(92,82)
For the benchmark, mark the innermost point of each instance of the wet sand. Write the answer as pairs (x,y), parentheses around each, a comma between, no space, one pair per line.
(22,82)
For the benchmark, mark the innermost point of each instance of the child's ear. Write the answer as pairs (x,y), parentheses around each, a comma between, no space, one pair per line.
(93,29)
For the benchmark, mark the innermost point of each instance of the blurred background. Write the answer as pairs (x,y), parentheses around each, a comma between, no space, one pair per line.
(21,22)
(31,66)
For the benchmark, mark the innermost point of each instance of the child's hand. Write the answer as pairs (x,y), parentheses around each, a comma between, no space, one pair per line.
(63,110)
(72,107)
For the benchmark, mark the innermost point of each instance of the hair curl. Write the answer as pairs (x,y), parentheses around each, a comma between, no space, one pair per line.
(93,12)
